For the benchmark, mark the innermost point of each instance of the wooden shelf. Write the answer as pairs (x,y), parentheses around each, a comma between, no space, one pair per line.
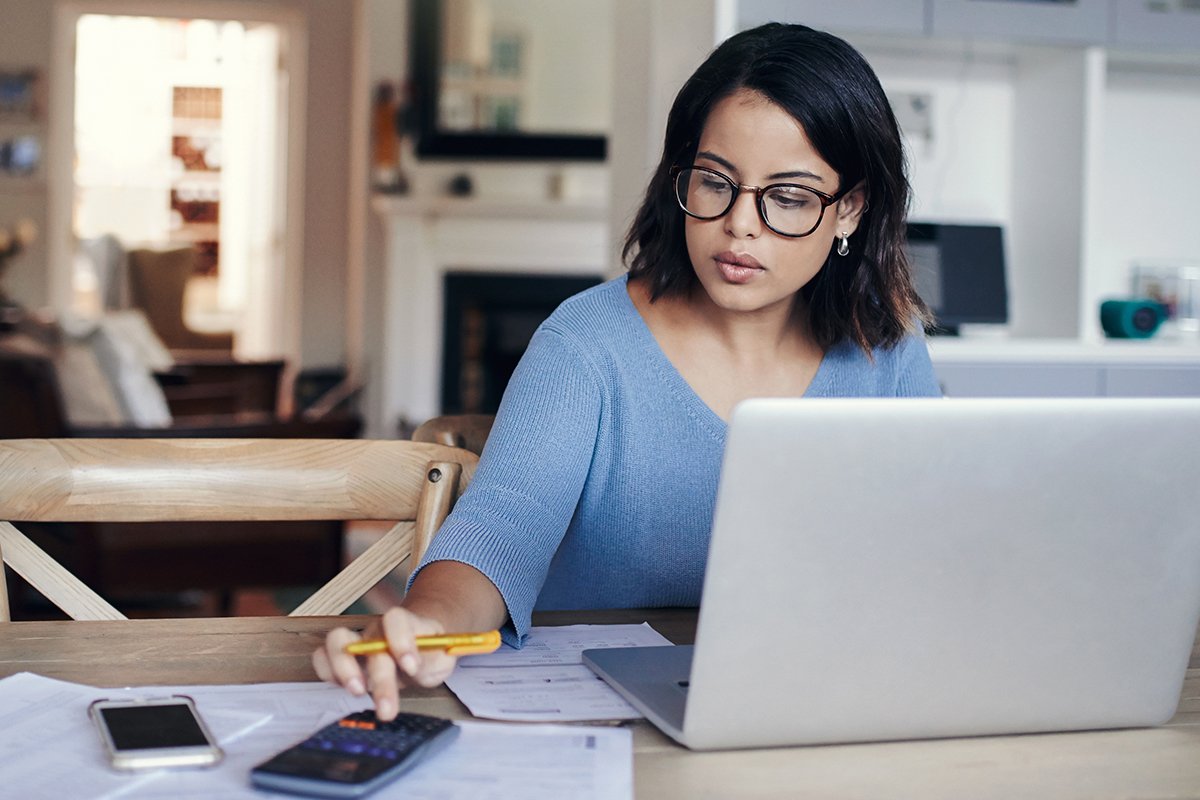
(197,232)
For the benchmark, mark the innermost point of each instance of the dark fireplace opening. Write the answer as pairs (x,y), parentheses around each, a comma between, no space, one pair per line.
(489,319)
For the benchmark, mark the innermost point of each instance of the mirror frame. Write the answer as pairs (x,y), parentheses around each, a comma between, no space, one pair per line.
(432,142)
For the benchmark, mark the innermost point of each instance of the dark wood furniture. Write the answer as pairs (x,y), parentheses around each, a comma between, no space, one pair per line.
(130,560)
(204,385)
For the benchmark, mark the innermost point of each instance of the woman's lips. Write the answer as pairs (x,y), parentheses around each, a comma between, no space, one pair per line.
(737,268)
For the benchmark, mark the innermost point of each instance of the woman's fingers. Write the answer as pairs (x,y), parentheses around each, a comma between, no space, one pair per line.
(417,667)
(386,673)
(401,628)
(435,667)
(385,688)
(332,663)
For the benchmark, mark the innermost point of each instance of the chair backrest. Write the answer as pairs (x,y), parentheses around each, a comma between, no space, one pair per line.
(468,431)
(155,480)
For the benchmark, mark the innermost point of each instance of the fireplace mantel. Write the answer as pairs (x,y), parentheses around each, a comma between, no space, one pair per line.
(427,237)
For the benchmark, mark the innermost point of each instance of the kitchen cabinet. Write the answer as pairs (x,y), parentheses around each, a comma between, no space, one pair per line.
(1134,23)
(1079,22)
(1155,24)
(1049,368)
(907,17)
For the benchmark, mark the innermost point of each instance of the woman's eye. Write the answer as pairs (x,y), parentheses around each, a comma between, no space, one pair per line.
(789,199)
(714,185)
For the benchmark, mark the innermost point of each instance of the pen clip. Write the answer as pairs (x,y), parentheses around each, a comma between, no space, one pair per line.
(480,644)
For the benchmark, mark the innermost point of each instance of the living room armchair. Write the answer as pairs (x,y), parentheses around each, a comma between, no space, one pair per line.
(158,281)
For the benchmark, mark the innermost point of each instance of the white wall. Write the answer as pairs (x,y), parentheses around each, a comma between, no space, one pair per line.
(962,172)
(1150,184)
(661,44)
(25,43)
(327,167)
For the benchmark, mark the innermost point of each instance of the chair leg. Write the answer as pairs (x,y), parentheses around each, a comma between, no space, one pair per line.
(404,541)
(5,614)
(225,603)
(360,574)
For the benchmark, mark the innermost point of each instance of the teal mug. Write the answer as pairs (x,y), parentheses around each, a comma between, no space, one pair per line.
(1136,318)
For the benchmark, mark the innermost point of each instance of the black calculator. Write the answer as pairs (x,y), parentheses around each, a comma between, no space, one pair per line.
(355,755)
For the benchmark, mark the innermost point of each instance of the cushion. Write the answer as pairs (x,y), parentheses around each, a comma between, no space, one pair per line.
(87,394)
(122,349)
(106,256)
(132,328)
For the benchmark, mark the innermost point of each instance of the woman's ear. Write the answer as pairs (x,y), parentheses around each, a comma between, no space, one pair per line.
(850,208)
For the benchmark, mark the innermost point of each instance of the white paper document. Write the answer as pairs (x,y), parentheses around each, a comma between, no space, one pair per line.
(546,680)
(50,749)
(531,762)
(49,746)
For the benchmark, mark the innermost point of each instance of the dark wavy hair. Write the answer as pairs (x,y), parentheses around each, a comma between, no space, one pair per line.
(867,296)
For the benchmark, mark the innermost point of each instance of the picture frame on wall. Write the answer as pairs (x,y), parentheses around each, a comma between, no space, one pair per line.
(20,156)
(18,95)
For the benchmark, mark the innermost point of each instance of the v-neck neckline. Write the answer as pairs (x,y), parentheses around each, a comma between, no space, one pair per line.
(674,378)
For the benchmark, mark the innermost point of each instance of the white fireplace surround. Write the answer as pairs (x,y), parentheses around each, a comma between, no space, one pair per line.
(427,237)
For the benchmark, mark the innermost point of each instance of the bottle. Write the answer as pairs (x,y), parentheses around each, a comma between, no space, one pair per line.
(386,174)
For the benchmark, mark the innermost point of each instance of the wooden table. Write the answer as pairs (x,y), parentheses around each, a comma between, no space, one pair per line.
(1144,763)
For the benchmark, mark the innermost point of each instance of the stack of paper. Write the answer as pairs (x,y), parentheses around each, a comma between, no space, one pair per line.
(546,680)
(49,747)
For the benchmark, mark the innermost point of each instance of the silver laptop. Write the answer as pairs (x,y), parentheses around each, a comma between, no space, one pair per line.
(899,569)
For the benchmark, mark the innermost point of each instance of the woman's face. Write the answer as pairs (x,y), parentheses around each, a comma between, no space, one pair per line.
(742,264)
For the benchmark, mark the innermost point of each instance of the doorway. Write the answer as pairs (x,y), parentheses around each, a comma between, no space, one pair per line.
(181,139)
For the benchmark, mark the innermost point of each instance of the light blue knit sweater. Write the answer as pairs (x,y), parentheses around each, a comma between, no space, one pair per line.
(597,485)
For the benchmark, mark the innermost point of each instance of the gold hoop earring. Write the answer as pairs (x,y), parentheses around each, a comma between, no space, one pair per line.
(843,247)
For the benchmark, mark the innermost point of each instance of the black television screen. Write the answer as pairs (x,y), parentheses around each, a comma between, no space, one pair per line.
(960,273)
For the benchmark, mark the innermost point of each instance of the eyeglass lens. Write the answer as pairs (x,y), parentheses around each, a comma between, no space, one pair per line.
(788,209)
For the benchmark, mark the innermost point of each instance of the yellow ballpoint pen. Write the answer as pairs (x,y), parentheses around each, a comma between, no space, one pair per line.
(455,644)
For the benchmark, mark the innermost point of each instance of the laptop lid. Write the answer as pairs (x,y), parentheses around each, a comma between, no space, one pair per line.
(893,569)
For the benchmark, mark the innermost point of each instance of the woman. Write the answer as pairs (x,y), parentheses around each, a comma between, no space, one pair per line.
(766,261)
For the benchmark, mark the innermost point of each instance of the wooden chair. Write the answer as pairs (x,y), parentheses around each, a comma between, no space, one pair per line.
(66,480)
(123,560)
(468,431)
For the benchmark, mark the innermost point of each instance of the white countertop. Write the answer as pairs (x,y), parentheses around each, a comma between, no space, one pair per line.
(990,349)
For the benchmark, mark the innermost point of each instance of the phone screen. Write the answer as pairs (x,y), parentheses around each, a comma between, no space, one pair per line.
(153,726)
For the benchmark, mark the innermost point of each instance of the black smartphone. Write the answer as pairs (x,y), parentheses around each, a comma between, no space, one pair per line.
(355,755)
(153,733)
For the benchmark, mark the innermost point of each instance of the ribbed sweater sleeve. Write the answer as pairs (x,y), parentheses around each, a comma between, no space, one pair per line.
(510,522)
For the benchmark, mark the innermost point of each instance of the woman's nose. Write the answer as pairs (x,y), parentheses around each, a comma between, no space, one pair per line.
(743,220)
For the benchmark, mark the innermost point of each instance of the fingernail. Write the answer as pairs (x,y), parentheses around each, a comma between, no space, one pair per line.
(355,686)
(385,709)
(408,663)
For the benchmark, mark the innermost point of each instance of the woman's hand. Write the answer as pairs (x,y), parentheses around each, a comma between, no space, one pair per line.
(444,593)
(403,665)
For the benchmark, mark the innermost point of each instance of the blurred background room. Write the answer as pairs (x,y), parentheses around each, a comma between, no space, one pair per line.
(339,218)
